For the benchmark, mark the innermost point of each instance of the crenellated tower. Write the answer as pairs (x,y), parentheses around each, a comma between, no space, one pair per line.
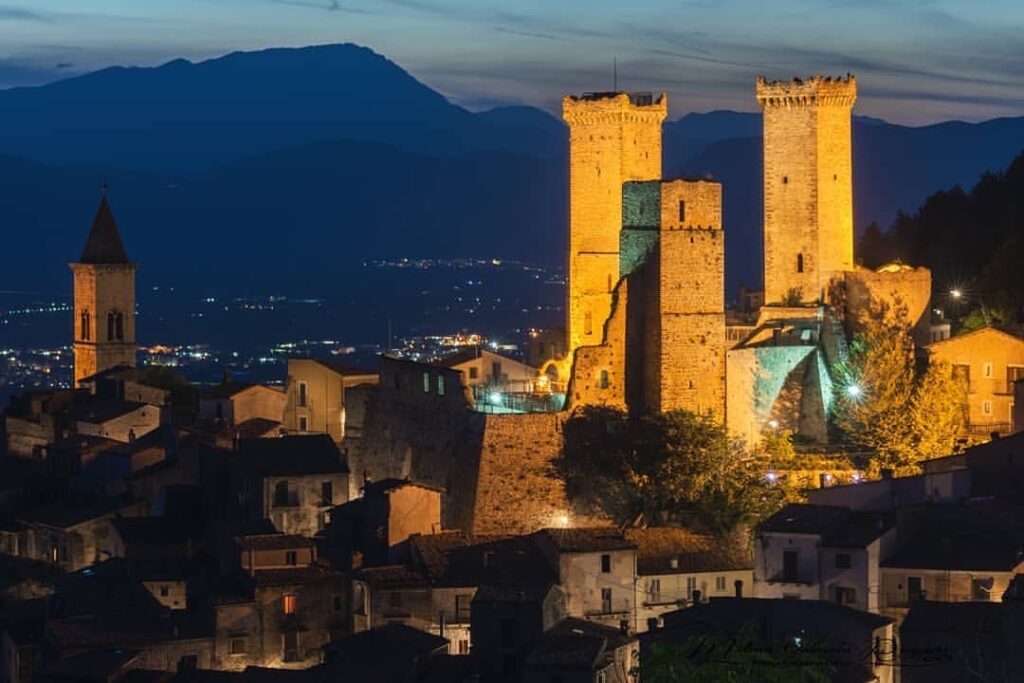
(104,295)
(613,138)
(808,184)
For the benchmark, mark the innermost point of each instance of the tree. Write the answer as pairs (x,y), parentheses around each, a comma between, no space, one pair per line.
(883,404)
(662,466)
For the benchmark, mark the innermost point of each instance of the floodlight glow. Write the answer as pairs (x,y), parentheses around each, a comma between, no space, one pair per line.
(495,397)
(955,293)
(854,390)
(774,424)
(771,476)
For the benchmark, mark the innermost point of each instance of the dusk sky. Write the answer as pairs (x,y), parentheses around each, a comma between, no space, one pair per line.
(917,61)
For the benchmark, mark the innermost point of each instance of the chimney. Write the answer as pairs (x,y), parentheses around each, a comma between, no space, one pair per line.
(738,584)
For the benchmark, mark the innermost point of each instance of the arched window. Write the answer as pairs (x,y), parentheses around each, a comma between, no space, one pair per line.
(110,326)
(84,336)
(603,382)
(119,326)
(799,263)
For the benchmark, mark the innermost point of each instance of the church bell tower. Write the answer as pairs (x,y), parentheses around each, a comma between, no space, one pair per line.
(104,296)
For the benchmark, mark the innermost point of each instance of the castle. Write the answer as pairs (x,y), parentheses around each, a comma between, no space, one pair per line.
(646,319)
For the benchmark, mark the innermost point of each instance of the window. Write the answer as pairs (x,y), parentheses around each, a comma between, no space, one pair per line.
(496,371)
(789,558)
(588,323)
(85,326)
(303,394)
(654,590)
(303,423)
(359,599)
(327,492)
(986,407)
(691,586)
(462,608)
(606,600)
(119,326)
(164,591)
(291,558)
(282,496)
(846,596)
(799,263)
(915,589)
(110,326)
(440,385)
(426,382)
(1013,374)
(336,603)
(603,383)
(474,373)
(188,663)
(842,560)
(986,370)
(682,211)
(291,646)
(981,589)
(237,646)
(288,603)
(606,564)
(719,583)
(463,647)
(785,180)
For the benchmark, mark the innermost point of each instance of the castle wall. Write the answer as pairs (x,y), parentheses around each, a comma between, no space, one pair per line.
(808,185)
(599,372)
(892,286)
(757,378)
(613,138)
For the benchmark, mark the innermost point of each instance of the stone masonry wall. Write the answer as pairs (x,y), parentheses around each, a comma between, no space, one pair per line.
(611,140)
(808,186)
(101,289)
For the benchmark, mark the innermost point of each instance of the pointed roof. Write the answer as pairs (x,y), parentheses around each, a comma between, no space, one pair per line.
(104,244)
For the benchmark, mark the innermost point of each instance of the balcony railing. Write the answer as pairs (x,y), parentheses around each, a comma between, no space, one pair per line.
(986,428)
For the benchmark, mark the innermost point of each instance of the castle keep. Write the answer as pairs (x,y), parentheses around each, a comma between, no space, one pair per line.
(613,138)
(808,185)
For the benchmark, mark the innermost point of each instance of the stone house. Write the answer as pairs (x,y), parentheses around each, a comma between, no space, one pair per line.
(858,645)
(127,384)
(121,421)
(238,406)
(818,552)
(961,554)
(75,533)
(35,420)
(989,361)
(491,371)
(316,402)
(506,620)
(580,651)
(293,481)
(676,566)
(597,568)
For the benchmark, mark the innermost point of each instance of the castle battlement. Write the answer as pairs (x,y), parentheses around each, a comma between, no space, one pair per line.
(599,107)
(815,91)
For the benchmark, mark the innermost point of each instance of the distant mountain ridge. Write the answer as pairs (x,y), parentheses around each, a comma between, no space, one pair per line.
(300,159)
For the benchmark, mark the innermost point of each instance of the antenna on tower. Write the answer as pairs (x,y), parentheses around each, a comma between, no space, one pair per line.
(615,74)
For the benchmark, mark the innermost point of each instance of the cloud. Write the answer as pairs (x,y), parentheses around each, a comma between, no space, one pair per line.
(327,5)
(13,13)
(15,73)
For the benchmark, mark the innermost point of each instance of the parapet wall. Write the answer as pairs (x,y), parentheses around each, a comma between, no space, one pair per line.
(816,91)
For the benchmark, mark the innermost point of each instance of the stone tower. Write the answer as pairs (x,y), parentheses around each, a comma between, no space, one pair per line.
(104,294)
(808,184)
(673,253)
(613,138)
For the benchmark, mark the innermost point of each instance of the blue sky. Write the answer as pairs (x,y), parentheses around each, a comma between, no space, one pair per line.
(917,61)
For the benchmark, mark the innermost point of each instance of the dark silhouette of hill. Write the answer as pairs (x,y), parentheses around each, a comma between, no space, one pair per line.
(291,158)
(973,240)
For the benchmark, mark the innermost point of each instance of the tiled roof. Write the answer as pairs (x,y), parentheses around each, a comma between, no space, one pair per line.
(657,547)
(798,518)
(587,540)
(391,576)
(291,456)
(104,246)
(460,559)
(343,369)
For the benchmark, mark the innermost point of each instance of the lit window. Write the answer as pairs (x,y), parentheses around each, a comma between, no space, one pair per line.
(288,603)
(440,385)
(426,382)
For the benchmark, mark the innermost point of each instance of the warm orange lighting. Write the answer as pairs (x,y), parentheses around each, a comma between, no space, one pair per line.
(289,604)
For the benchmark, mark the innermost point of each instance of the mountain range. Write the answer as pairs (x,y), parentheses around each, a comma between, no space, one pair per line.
(301,161)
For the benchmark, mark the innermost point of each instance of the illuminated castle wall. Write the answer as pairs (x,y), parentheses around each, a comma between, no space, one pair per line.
(613,138)
(808,184)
